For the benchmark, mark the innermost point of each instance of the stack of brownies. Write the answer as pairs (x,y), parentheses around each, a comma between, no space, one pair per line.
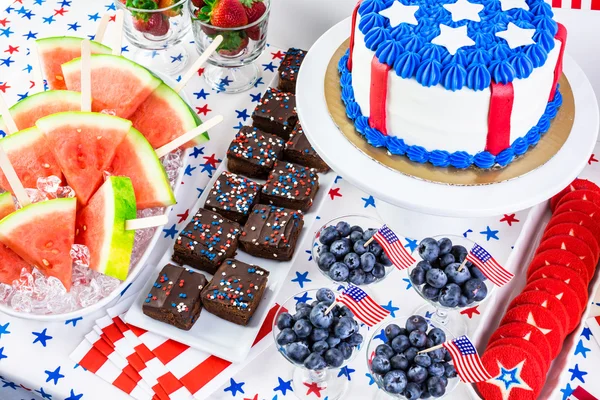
(263,219)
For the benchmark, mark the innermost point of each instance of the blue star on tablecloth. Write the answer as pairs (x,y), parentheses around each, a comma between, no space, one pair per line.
(392,310)
(346,371)
(202,94)
(28,14)
(23,96)
(256,97)
(41,337)
(124,49)
(269,67)
(371,380)
(74,27)
(567,391)
(9,384)
(31,35)
(74,396)
(301,278)
(238,126)
(243,114)
(259,82)
(189,169)
(381,336)
(28,68)
(54,375)
(369,201)
(411,244)
(581,349)
(2,356)
(467,232)
(74,321)
(197,151)
(171,232)
(44,394)
(6,61)
(408,283)
(208,168)
(303,299)
(490,234)
(200,191)
(110,7)
(94,17)
(4,329)
(283,386)
(49,20)
(39,2)
(65,3)
(586,333)
(234,387)
(576,373)
(177,58)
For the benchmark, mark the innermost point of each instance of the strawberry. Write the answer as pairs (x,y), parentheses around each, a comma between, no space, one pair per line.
(155,24)
(198,3)
(224,13)
(233,44)
(255,9)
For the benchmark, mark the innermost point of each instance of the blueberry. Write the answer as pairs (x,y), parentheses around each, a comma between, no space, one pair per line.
(436,278)
(425,265)
(435,386)
(457,274)
(286,336)
(284,320)
(302,313)
(339,249)
(367,261)
(417,338)
(447,357)
(429,249)
(446,260)
(459,253)
(423,360)
(346,350)
(329,235)
(318,317)
(356,228)
(385,260)
(344,311)
(302,328)
(463,301)
(297,351)
(417,276)
(333,341)
(319,334)
(400,343)
(334,358)
(323,249)
(436,369)
(315,362)
(343,228)
(369,278)
(450,371)
(376,249)
(314,303)
(417,374)
(326,296)
(437,336)
(355,236)
(368,234)
(320,346)
(417,322)
(425,393)
(378,271)
(444,380)
(359,247)
(411,353)
(476,273)
(300,305)
(445,246)
(450,295)
(429,343)
(380,365)
(395,382)
(344,328)
(412,391)
(355,340)
(437,355)
(325,261)
(431,293)
(399,361)
(384,350)
(391,331)
(339,272)
(357,277)
(475,289)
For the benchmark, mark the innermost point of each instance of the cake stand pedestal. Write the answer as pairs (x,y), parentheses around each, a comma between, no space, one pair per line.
(400,190)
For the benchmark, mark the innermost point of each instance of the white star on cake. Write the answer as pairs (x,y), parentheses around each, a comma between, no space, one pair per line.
(398,13)
(453,38)
(531,321)
(462,9)
(516,36)
(510,4)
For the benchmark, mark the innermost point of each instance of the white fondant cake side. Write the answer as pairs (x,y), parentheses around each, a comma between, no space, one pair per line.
(439,119)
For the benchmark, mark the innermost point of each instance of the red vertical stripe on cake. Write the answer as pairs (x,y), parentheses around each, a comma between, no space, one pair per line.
(379,89)
(576,4)
(596,5)
(353,34)
(501,105)
(561,36)
(557,3)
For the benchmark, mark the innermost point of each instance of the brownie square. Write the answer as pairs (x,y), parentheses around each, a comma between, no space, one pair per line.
(276,113)
(272,232)
(233,196)
(299,150)
(291,186)
(206,241)
(253,152)
(175,297)
(288,70)
(235,291)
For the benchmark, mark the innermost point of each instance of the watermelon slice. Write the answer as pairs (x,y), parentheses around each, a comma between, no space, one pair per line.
(10,263)
(101,227)
(55,51)
(7,205)
(165,116)
(29,110)
(31,156)
(137,159)
(42,234)
(118,84)
(84,145)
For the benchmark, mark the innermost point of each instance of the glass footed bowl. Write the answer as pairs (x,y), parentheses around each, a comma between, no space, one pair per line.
(354,220)
(304,379)
(377,339)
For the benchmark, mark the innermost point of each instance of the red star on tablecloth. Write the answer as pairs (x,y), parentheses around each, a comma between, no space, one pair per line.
(212,160)
(509,219)
(184,216)
(112,18)
(313,388)
(4,21)
(62,12)
(203,110)
(200,71)
(592,159)
(3,87)
(31,84)
(12,49)
(26,388)
(469,312)
(254,398)
(279,55)
(334,192)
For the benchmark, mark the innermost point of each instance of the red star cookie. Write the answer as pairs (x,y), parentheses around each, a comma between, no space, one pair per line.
(575,246)
(546,300)
(524,331)
(574,230)
(578,218)
(558,257)
(577,184)
(527,345)
(583,194)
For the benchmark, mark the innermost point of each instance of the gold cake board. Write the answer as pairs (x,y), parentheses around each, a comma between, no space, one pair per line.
(551,142)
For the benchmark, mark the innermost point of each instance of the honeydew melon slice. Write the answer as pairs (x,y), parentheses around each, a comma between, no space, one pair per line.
(57,50)
(10,263)
(84,144)
(42,234)
(31,156)
(165,116)
(27,111)
(136,159)
(101,227)
(119,86)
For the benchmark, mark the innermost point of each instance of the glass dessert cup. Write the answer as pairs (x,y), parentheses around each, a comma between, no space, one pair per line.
(157,35)
(377,339)
(319,248)
(448,317)
(307,383)
(231,69)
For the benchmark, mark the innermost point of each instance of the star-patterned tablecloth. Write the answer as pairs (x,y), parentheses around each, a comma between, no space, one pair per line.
(34,362)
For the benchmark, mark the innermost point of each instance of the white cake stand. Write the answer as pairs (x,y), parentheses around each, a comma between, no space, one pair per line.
(426,197)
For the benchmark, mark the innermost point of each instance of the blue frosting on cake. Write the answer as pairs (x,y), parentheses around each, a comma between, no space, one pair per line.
(408,49)
(442,158)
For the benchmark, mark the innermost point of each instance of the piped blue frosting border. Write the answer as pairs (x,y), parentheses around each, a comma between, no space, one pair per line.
(441,158)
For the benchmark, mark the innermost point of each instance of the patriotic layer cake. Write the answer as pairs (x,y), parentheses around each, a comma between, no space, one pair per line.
(453,83)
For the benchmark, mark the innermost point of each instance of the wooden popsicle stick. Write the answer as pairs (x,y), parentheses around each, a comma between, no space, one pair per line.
(86,76)
(145,223)
(36,70)
(186,137)
(102,28)
(199,63)
(119,36)
(13,179)
(8,119)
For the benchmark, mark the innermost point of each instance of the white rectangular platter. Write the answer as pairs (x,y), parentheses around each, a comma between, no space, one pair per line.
(210,333)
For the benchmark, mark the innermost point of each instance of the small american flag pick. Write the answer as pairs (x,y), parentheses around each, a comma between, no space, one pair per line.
(393,247)
(577,4)
(467,363)
(363,306)
(488,266)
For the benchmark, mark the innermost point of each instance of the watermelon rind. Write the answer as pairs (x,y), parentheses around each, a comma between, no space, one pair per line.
(70,42)
(149,178)
(72,118)
(7,204)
